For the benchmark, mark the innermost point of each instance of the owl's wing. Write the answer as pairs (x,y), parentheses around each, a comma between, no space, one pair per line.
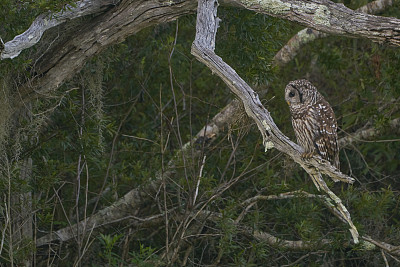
(326,140)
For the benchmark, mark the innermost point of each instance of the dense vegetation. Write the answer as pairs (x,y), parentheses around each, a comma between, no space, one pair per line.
(119,123)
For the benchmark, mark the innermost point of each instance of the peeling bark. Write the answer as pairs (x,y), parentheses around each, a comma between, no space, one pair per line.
(126,19)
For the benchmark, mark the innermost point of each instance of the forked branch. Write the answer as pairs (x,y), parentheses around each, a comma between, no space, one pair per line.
(203,49)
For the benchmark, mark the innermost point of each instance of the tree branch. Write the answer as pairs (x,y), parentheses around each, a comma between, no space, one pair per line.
(329,17)
(131,202)
(46,21)
(307,35)
(62,61)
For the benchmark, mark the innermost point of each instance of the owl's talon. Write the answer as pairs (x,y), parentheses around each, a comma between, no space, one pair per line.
(307,155)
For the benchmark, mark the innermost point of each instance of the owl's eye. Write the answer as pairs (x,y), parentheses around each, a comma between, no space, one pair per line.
(291,94)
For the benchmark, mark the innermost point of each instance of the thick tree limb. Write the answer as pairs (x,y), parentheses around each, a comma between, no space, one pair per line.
(46,21)
(90,41)
(307,35)
(202,48)
(329,17)
(124,208)
(322,15)
(125,19)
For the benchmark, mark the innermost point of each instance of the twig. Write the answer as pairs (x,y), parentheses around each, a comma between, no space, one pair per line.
(384,258)
(198,180)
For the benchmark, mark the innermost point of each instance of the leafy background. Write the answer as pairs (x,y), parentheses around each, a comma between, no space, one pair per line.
(122,92)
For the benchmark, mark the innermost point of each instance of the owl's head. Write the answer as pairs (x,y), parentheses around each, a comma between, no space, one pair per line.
(300,92)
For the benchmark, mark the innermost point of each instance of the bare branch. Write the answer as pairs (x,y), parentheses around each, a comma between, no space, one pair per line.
(132,201)
(49,20)
(62,62)
(288,244)
(287,195)
(394,250)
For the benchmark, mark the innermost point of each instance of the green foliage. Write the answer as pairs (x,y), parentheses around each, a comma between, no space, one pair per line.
(145,257)
(248,42)
(117,127)
(109,242)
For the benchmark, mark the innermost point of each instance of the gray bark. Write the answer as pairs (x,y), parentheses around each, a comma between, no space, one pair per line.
(131,203)
(47,21)
(305,36)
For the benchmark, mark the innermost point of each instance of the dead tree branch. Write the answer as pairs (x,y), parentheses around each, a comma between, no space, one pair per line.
(46,21)
(272,240)
(203,49)
(131,203)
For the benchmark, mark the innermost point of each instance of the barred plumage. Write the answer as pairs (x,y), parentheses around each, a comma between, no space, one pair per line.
(313,121)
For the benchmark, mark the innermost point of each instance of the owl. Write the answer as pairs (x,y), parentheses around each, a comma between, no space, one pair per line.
(313,121)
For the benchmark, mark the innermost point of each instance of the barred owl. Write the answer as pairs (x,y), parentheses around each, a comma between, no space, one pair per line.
(313,121)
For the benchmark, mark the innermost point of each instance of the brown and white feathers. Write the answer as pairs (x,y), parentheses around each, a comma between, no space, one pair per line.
(313,121)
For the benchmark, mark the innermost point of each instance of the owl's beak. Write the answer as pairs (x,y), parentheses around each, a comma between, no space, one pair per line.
(288,103)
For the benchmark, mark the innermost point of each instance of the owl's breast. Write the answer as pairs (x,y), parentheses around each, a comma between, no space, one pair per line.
(300,111)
